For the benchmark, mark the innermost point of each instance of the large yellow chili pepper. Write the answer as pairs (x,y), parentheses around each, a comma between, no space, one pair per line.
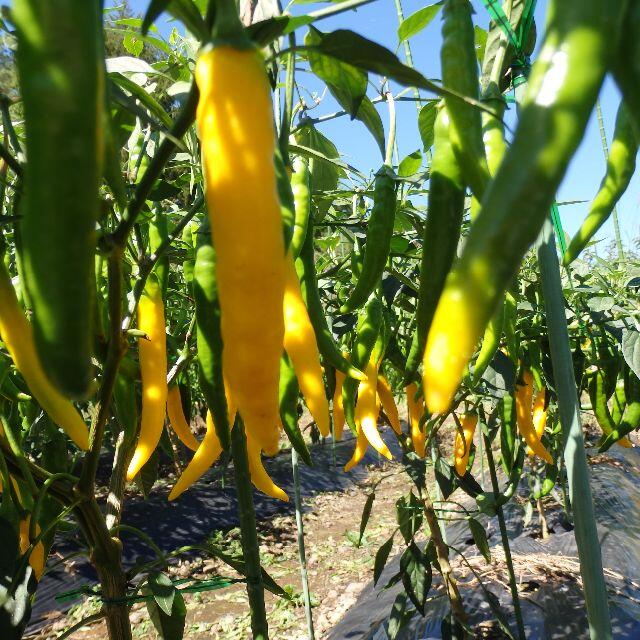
(153,370)
(37,557)
(524,418)
(462,446)
(338,407)
(235,120)
(300,345)
(259,476)
(368,409)
(389,403)
(177,419)
(208,452)
(415,410)
(17,335)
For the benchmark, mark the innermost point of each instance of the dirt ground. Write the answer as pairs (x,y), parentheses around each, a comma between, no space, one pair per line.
(338,569)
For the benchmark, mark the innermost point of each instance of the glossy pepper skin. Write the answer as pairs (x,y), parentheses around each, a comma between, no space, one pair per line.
(338,407)
(300,345)
(16,333)
(153,371)
(178,420)
(631,416)
(564,84)
(621,166)
(368,410)
(597,389)
(238,144)
(524,418)
(460,73)
(37,559)
(379,234)
(60,63)
(539,415)
(445,209)
(463,442)
(301,187)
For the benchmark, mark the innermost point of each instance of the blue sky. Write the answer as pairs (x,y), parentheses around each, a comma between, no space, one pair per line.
(378,21)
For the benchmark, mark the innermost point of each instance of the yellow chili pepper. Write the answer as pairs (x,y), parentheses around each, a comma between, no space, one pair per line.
(17,335)
(415,410)
(153,370)
(361,448)
(37,557)
(177,419)
(259,476)
(539,416)
(368,409)
(208,452)
(524,418)
(300,345)
(338,407)
(235,120)
(389,403)
(462,446)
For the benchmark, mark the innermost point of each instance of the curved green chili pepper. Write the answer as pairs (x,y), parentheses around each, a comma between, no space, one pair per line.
(460,73)
(564,85)
(301,187)
(445,209)
(285,195)
(60,63)
(621,166)
(631,417)
(490,343)
(369,328)
(596,387)
(619,399)
(189,262)
(379,234)
(289,392)
(329,350)
(508,437)
(209,338)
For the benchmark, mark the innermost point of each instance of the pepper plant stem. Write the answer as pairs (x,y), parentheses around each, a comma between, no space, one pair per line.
(301,548)
(586,533)
(248,532)
(513,585)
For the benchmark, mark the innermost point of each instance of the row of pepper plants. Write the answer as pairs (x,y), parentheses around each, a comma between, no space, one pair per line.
(180,237)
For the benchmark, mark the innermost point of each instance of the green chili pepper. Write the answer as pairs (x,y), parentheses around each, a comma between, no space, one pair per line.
(305,266)
(514,479)
(631,417)
(301,187)
(490,343)
(551,476)
(8,388)
(285,194)
(619,402)
(445,209)
(564,85)
(621,166)
(378,244)
(460,73)
(289,392)
(369,328)
(508,437)
(60,63)
(189,262)
(596,387)
(158,233)
(208,336)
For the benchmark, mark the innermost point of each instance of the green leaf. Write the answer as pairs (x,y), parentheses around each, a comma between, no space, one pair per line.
(146,99)
(398,616)
(162,590)
(416,576)
(480,538)
(410,164)
(366,513)
(631,349)
(481,42)
(426,123)
(382,555)
(444,477)
(409,515)
(170,626)
(417,21)
(346,82)
(358,51)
